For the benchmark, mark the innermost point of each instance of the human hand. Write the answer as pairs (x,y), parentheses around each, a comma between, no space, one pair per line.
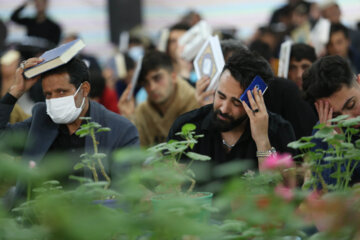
(259,119)
(126,106)
(324,110)
(20,84)
(204,97)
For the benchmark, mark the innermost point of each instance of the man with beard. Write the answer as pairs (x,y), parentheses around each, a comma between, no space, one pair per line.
(231,129)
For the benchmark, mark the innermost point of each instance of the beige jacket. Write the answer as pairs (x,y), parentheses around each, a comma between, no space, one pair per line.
(154,128)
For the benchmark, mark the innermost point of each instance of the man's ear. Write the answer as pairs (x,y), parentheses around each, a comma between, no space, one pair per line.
(86,88)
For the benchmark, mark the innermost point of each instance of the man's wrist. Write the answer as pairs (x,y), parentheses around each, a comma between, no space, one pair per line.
(266,153)
(8,99)
(15,93)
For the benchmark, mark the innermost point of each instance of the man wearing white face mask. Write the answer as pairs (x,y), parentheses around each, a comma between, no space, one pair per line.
(53,124)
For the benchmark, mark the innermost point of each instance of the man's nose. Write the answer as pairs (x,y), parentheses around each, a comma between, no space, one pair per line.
(152,86)
(225,107)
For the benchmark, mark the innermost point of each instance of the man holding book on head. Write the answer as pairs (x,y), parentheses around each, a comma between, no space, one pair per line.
(53,124)
(169,96)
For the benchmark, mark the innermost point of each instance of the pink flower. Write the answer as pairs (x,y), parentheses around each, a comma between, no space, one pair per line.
(284,192)
(275,161)
(32,164)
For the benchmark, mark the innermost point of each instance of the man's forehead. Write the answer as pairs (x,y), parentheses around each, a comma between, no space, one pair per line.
(57,78)
(339,99)
(302,61)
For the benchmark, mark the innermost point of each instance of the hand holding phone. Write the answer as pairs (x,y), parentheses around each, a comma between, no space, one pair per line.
(256,82)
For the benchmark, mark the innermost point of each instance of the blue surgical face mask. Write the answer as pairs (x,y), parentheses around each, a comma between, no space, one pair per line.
(136,52)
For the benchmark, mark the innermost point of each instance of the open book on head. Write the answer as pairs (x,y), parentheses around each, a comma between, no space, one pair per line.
(210,61)
(135,78)
(193,39)
(55,57)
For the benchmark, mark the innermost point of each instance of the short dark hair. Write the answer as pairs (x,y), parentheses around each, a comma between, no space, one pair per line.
(153,60)
(244,65)
(180,26)
(261,48)
(97,84)
(325,77)
(338,27)
(228,46)
(300,51)
(77,70)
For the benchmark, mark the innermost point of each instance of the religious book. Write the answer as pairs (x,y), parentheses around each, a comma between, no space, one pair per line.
(163,40)
(320,35)
(55,57)
(193,39)
(135,78)
(284,58)
(124,39)
(258,83)
(120,65)
(210,61)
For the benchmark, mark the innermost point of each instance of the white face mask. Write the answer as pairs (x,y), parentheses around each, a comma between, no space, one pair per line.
(63,110)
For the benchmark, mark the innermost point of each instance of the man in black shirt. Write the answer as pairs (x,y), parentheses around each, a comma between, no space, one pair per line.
(40,26)
(233,130)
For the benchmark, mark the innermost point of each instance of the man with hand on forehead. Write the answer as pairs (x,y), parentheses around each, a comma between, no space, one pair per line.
(53,124)
(335,90)
(232,129)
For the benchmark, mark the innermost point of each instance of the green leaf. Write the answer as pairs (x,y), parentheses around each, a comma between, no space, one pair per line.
(324,132)
(347,145)
(188,127)
(103,129)
(80,179)
(94,125)
(351,122)
(99,155)
(301,145)
(198,157)
(319,126)
(334,158)
(307,139)
(339,118)
(78,166)
(51,182)
(82,131)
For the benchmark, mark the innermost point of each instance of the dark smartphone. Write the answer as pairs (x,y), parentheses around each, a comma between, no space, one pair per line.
(256,82)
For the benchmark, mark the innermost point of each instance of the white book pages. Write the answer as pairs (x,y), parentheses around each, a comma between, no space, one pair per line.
(193,39)
(163,40)
(135,78)
(320,35)
(120,65)
(210,61)
(284,59)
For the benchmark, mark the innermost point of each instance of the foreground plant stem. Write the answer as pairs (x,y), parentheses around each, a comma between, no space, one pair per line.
(102,169)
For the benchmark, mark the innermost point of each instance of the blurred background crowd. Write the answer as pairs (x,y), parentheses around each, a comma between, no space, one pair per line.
(28,28)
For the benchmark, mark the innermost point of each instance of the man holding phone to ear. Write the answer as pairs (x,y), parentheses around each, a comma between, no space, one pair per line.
(233,129)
